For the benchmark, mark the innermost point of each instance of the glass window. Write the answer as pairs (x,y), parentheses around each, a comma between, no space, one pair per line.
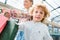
(15,3)
(3,1)
(53,6)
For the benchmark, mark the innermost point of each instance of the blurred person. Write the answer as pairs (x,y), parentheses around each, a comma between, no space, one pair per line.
(27,5)
(25,10)
(14,14)
(24,17)
(35,29)
(7,14)
(3,11)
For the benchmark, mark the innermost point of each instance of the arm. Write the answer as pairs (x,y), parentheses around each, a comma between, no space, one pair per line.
(52,23)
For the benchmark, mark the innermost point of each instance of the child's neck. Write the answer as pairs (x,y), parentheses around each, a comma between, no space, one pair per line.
(36,21)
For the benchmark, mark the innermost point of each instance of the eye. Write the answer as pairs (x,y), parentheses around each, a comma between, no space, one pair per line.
(41,12)
(36,11)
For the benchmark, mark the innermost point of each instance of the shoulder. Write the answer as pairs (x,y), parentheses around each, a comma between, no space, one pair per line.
(45,26)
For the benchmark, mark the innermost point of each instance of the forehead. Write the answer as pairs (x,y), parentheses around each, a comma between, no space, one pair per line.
(26,0)
(39,9)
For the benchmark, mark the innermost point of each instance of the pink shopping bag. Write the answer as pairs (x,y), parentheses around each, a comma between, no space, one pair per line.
(3,21)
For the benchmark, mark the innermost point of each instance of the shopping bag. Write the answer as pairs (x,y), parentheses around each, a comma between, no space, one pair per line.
(3,21)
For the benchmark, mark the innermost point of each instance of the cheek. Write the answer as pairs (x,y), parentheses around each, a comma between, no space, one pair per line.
(42,17)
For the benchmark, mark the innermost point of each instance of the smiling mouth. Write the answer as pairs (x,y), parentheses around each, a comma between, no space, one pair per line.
(37,17)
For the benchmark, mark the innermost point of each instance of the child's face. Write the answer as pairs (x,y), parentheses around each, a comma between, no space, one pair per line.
(38,14)
(27,3)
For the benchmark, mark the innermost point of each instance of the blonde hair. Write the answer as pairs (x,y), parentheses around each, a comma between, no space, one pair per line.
(47,14)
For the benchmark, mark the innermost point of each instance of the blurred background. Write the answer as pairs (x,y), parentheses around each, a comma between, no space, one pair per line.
(14,6)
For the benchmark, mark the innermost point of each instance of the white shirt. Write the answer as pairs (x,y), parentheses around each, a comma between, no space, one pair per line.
(35,31)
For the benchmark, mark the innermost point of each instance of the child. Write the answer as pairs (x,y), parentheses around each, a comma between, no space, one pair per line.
(36,29)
